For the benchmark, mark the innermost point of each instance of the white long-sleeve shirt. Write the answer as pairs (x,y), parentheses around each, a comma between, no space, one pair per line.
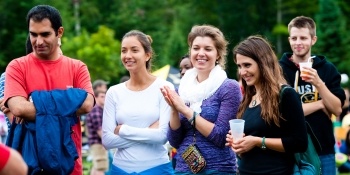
(139,147)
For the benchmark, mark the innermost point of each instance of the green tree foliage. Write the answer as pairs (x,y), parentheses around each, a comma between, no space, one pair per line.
(168,22)
(237,20)
(175,46)
(345,62)
(331,32)
(99,51)
(153,18)
(290,10)
(14,29)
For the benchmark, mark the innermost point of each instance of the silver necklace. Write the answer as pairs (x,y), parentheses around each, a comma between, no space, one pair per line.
(254,101)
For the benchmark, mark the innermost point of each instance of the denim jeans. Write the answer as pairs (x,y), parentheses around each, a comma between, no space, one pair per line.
(110,158)
(165,169)
(328,164)
(207,172)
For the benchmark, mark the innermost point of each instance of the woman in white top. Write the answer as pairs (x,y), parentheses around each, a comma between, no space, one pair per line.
(136,116)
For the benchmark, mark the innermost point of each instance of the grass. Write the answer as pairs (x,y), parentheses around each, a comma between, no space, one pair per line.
(86,164)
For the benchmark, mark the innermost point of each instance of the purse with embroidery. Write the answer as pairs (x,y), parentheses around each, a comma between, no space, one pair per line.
(193,156)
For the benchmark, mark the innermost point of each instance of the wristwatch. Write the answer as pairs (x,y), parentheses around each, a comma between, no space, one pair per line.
(263,146)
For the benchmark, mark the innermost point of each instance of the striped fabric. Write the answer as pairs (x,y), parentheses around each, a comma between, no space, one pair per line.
(2,88)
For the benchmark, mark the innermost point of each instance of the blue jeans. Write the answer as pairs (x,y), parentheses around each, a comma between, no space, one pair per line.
(165,169)
(110,158)
(205,172)
(328,164)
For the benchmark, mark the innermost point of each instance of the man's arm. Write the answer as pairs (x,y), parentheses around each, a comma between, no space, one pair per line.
(15,165)
(87,106)
(312,107)
(330,101)
(83,81)
(21,107)
(99,133)
(6,110)
(330,104)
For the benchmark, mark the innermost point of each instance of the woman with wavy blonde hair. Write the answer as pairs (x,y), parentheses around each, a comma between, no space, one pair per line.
(207,100)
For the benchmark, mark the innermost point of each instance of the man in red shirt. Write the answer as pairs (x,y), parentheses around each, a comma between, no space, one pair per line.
(46,68)
(11,162)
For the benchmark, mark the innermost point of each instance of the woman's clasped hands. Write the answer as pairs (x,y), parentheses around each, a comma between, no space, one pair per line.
(172,98)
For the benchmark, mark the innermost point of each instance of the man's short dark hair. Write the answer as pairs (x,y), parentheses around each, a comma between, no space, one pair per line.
(29,48)
(41,12)
(303,22)
(98,83)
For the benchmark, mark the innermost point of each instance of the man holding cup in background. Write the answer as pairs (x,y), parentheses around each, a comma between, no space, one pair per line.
(318,86)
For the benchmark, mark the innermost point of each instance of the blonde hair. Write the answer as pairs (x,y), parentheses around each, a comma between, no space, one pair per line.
(216,35)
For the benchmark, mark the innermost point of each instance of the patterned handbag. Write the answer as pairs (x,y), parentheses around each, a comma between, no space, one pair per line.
(193,156)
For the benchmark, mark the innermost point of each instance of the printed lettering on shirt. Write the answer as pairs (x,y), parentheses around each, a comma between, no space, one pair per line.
(303,89)
(308,93)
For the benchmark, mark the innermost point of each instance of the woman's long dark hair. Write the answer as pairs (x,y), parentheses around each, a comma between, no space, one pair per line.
(271,77)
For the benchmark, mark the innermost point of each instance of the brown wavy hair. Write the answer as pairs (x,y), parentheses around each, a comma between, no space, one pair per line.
(271,77)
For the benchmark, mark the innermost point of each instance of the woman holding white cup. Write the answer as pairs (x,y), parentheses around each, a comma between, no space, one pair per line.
(274,130)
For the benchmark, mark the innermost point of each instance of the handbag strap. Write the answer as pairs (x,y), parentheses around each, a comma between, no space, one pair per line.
(313,137)
(308,127)
(194,128)
(281,95)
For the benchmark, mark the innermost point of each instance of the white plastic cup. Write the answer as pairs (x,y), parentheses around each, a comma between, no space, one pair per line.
(237,129)
(302,65)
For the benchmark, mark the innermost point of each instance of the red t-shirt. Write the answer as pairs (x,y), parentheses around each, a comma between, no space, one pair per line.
(28,73)
(5,155)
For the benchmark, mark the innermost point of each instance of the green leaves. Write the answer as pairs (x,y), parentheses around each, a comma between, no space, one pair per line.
(332,33)
(168,22)
(99,51)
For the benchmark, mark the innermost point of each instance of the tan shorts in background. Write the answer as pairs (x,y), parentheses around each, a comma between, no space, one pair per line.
(99,157)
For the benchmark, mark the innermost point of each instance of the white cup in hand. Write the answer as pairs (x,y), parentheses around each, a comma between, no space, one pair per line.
(237,129)
(302,65)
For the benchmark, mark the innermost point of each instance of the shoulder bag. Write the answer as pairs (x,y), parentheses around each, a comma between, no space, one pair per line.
(192,155)
(308,162)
